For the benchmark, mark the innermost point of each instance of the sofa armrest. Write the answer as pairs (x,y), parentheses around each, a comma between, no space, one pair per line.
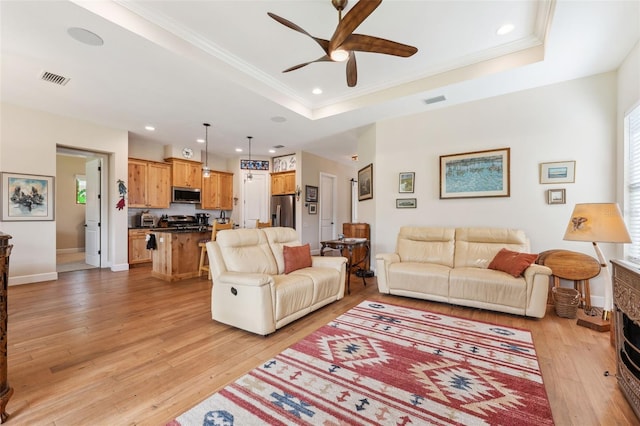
(244,278)
(383,261)
(537,279)
(335,262)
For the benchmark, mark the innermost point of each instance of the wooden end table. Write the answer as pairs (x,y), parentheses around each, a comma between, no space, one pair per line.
(349,244)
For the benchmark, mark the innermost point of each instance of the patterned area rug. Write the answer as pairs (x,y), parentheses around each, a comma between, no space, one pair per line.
(385,364)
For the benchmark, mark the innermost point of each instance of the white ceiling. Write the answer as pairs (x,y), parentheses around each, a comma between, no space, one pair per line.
(176,64)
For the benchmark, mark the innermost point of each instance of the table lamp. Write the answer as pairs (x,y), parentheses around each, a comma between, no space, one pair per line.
(598,223)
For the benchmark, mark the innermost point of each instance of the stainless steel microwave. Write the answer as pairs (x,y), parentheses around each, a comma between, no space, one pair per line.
(185,195)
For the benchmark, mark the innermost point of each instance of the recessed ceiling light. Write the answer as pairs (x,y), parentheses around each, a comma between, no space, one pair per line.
(238,149)
(85,36)
(149,128)
(272,151)
(317,91)
(200,140)
(505,29)
(278,119)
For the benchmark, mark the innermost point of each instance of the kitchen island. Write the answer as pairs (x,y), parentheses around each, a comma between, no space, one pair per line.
(177,254)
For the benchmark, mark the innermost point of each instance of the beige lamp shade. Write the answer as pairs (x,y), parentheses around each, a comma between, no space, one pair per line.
(597,222)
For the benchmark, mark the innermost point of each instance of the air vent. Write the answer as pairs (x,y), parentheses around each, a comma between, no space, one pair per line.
(435,100)
(278,146)
(54,78)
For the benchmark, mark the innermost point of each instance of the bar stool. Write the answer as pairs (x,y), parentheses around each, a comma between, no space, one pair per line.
(204,265)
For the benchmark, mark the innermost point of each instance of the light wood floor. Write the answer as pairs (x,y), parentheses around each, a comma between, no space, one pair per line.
(122,348)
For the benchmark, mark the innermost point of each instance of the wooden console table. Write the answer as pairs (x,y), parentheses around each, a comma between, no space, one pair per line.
(5,390)
(349,244)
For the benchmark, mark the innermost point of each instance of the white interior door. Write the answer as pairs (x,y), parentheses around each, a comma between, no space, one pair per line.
(92,212)
(327,207)
(256,200)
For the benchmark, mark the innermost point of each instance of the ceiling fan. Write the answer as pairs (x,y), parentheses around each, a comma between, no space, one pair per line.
(344,43)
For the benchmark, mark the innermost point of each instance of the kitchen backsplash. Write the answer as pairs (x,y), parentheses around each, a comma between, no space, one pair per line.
(175,209)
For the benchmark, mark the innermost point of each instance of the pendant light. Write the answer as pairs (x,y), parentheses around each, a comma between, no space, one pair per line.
(206,171)
(249,175)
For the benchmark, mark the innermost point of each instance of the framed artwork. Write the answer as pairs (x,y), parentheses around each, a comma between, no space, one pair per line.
(313,208)
(558,172)
(284,163)
(365,183)
(406,203)
(81,189)
(556,196)
(406,182)
(27,197)
(475,174)
(254,164)
(311,194)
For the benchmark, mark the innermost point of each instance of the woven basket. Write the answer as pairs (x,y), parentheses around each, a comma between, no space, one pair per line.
(566,301)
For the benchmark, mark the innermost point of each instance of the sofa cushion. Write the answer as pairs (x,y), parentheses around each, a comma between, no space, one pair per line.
(426,245)
(487,286)
(418,277)
(476,247)
(246,250)
(326,282)
(293,295)
(296,257)
(278,237)
(512,262)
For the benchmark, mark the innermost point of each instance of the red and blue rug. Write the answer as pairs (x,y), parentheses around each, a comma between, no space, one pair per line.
(384,364)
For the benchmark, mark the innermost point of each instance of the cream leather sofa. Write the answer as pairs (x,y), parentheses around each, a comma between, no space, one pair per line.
(250,290)
(450,265)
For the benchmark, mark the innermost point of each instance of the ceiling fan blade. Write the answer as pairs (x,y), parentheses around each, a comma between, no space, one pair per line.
(352,70)
(366,43)
(322,42)
(351,20)
(325,58)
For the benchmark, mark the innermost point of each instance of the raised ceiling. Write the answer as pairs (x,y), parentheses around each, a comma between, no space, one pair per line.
(177,64)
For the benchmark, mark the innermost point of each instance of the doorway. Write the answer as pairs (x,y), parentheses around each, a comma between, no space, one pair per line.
(80,227)
(256,201)
(327,190)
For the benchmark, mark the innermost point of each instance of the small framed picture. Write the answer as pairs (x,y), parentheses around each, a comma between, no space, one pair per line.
(406,203)
(311,194)
(406,182)
(313,208)
(558,172)
(365,183)
(556,196)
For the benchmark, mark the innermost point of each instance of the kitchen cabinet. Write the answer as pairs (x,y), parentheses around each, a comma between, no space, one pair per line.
(283,183)
(217,191)
(149,184)
(178,254)
(138,252)
(185,173)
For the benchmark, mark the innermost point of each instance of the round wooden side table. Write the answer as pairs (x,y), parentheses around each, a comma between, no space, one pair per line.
(574,266)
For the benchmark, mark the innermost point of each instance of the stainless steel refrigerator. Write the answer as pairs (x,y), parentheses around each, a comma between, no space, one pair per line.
(283,211)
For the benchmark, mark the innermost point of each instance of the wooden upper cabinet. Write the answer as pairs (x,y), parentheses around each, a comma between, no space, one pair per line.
(149,184)
(283,183)
(185,173)
(217,191)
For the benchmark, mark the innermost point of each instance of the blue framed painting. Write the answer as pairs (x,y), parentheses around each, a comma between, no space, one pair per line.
(475,174)
(254,164)
(558,172)
(27,197)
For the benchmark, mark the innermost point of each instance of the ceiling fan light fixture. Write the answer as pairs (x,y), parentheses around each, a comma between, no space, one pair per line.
(339,55)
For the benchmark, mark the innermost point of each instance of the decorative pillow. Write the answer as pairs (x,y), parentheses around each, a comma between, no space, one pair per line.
(297,257)
(512,262)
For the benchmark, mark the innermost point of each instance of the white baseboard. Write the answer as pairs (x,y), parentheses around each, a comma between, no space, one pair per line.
(120,267)
(70,250)
(28,279)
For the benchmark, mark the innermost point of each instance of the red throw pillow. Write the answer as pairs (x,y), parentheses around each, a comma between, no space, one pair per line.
(512,262)
(297,257)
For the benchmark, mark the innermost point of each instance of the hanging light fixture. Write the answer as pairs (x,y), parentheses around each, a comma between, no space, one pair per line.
(249,175)
(206,171)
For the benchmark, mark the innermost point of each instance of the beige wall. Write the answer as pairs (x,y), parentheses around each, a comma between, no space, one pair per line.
(69,215)
(28,144)
(310,168)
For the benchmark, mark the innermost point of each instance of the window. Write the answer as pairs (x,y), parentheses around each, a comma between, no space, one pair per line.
(632,213)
